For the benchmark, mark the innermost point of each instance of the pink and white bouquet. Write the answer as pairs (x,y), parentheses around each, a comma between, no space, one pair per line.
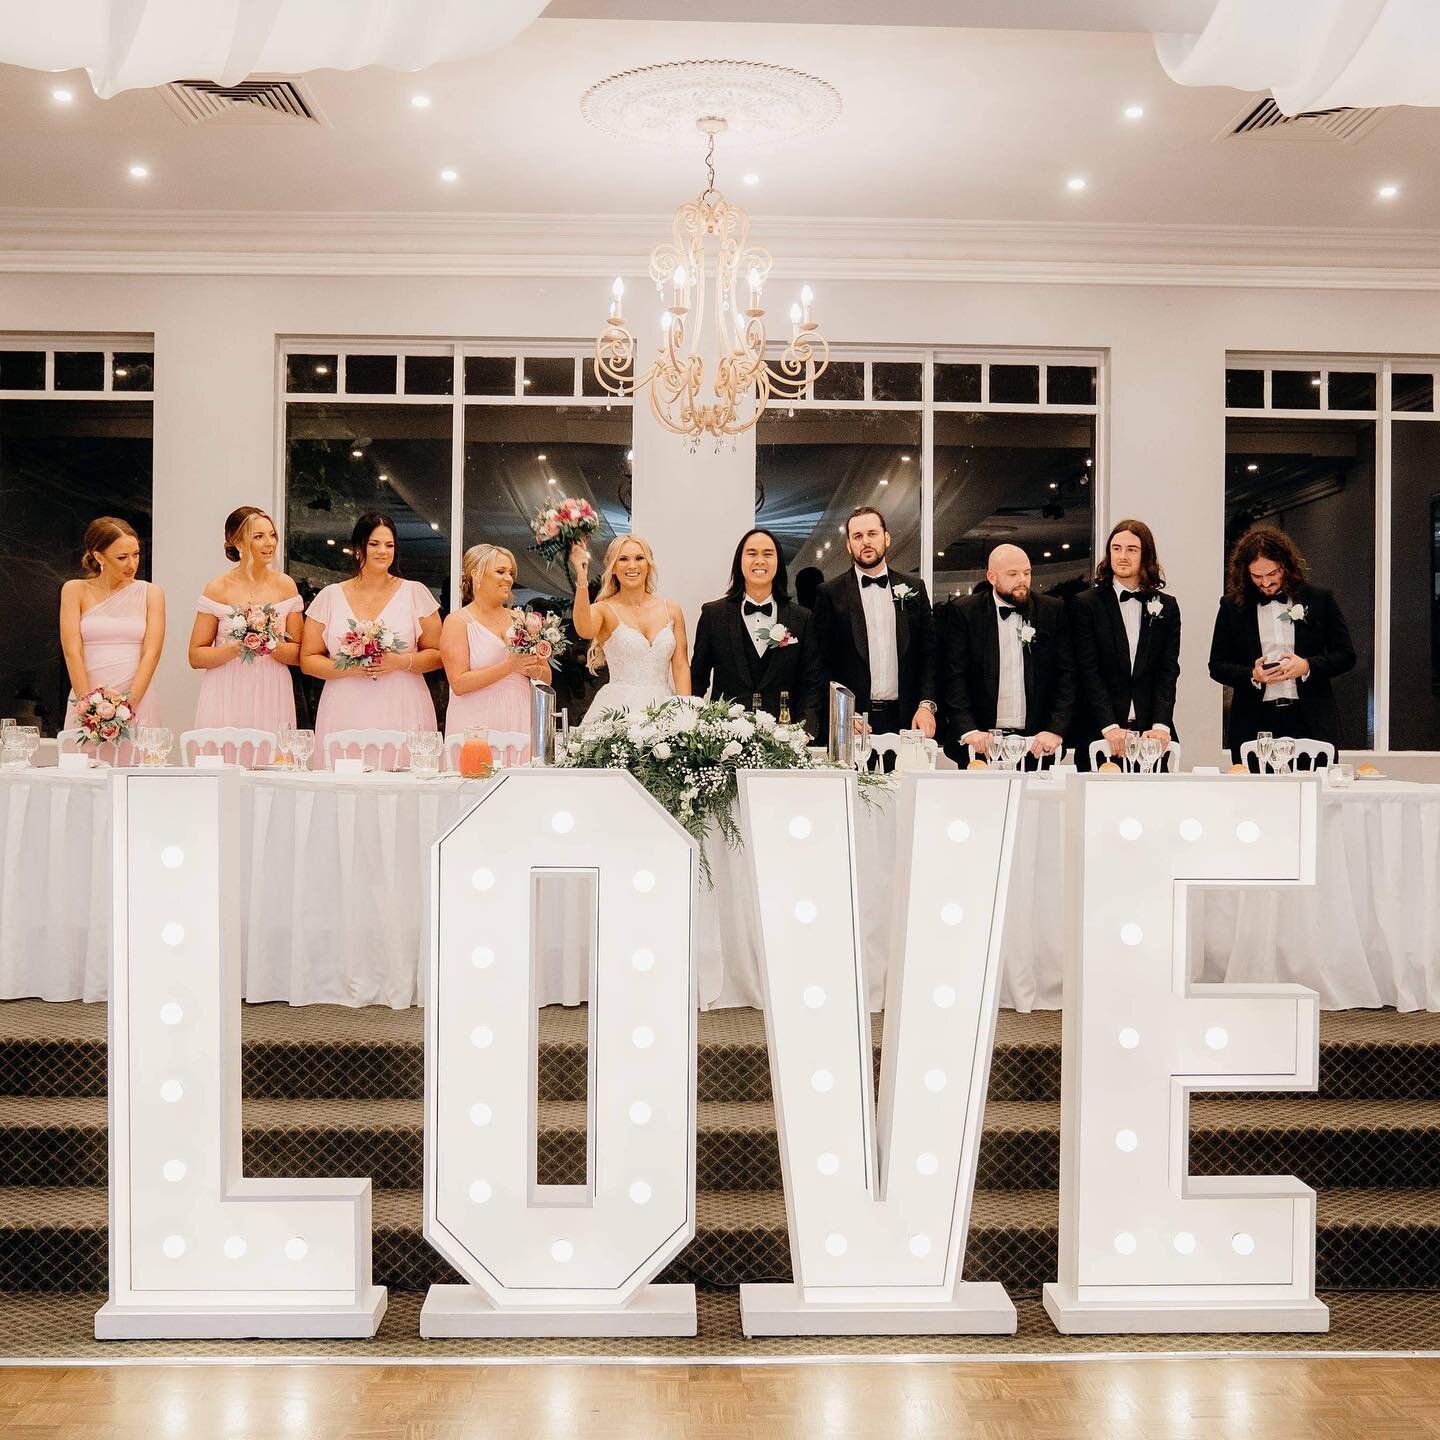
(532,633)
(365,643)
(103,717)
(558,527)
(255,627)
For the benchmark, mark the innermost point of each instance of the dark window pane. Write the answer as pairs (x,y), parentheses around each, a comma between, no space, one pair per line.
(1070,385)
(1415,586)
(62,463)
(957,384)
(79,370)
(489,374)
(841,380)
(132,371)
(589,381)
(1244,389)
(895,380)
(370,374)
(22,369)
(1294,389)
(548,377)
(1015,384)
(1407,392)
(310,374)
(429,375)
(1352,390)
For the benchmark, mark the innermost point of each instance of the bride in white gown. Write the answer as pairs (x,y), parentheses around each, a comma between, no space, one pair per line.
(638,636)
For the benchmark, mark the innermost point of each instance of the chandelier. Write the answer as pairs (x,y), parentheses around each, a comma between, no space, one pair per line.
(742,377)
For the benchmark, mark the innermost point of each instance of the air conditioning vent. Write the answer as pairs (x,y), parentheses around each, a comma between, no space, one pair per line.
(261,100)
(1343,126)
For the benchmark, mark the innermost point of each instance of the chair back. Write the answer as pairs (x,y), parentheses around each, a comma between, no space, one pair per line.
(1100,753)
(380,749)
(235,744)
(892,743)
(1312,752)
(508,747)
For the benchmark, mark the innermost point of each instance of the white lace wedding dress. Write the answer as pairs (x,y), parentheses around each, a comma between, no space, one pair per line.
(639,670)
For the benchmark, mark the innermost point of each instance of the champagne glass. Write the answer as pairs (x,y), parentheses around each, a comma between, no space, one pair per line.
(302,747)
(1015,748)
(1264,748)
(1283,752)
(283,738)
(862,740)
(1151,749)
(996,755)
(1132,750)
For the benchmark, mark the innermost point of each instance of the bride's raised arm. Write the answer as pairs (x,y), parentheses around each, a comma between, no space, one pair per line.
(680,660)
(589,619)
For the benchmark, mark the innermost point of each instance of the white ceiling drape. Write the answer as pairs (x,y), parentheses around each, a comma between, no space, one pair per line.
(134,44)
(1315,54)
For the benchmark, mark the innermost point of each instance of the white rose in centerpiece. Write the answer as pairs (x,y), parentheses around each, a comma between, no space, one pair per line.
(732,748)
(662,751)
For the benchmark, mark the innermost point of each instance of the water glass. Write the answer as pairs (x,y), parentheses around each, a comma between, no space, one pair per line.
(425,747)
(1132,750)
(1282,751)
(1151,749)
(17,744)
(1342,777)
(154,742)
(1015,748)
(302,747)
(1264,748)
(283,738)
(996,753)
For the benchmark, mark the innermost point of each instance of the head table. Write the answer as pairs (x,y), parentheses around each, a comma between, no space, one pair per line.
(335,886)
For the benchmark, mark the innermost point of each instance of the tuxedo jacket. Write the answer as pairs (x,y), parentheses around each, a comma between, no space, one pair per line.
(844,642)
(725,663)
(1321,637)
(968,631)
(1108,685)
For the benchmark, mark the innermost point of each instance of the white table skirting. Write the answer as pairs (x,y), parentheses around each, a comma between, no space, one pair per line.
(336,880)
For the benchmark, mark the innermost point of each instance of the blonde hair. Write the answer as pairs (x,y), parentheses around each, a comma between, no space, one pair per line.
(476,561)
(237,529)
(610,587)
(101,534)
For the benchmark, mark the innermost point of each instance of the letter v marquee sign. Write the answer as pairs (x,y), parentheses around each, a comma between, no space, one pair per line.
(878,1198)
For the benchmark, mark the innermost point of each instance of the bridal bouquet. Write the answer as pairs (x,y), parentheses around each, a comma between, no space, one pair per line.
(255,627)
(364,642)
(103,717)
(558,527)
(535,634)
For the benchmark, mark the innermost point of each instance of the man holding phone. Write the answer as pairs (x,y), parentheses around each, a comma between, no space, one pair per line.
(1278,643)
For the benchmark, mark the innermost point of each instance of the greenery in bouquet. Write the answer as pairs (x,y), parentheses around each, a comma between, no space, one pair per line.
(557,527)
(534,633)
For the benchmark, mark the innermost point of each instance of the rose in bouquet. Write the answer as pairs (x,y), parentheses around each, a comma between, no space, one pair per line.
(255,628)
(558,527)
(365,643)
(104,717)
(532,633)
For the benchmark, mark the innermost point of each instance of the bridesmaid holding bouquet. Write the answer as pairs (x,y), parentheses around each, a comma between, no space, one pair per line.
(247,632)
(370,639)
(112,626)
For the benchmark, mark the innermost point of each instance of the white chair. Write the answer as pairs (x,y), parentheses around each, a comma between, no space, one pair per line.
(1311,751)
(389,748)
(890,744)
(67,738)
(1100,753)
(233,743)
(1034,762)
(509,747)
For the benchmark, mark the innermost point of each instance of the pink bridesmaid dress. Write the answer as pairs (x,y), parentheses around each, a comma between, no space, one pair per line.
(254,696)
(399,701)
(112,634)
(505,705)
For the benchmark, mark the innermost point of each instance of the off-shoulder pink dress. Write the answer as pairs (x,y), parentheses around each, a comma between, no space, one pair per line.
(255,695)
(112,635)
(397,701)
(505,705)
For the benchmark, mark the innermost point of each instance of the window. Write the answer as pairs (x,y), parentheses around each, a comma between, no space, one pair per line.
(1414,660)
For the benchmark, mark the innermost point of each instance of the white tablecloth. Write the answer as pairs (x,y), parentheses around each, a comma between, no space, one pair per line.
(337,874)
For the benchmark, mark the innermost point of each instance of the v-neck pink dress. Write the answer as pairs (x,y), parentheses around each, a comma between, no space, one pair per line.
(255,695)
(112,635)
(399,701)
(503,706)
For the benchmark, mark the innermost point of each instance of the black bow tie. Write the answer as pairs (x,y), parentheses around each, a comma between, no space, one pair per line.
(875,579)
(1129,595)
(1006,611)
(1277,600)
(751,608)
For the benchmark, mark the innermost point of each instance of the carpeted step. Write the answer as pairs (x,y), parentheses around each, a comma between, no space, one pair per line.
(55,1239)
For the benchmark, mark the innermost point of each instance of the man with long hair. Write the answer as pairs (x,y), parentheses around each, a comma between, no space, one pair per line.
(755,640)
(1278,643)
(1127,645)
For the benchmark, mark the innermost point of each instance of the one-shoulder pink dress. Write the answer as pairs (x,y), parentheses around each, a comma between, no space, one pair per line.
(255,695)
(503,706)
(112,635)
(398,701)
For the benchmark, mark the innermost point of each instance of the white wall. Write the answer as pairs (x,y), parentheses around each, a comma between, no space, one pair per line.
(216,413)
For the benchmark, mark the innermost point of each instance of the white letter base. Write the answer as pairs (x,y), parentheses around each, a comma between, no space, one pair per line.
(459,1311)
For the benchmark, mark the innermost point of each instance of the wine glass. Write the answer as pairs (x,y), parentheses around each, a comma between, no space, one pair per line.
(1264,748)
(283,738)
(160,742)
(1132,750)
(861,751)
(302,747)
(1151,749)
(996,754)
(1015,748)
(1283,751)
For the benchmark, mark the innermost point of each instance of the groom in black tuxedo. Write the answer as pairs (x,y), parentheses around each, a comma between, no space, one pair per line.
(877,633)
(756,641)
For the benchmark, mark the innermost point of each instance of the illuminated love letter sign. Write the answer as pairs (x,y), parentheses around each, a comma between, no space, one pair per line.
(196,1249)
(879,1207)
(1145,1246)
(561,1259)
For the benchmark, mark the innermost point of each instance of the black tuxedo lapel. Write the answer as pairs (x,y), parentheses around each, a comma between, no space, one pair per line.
(1027,663)
(990,649)
(857,618)
(1142,643)
(902,625)
(743,647)
(1252,626)
(1110,603)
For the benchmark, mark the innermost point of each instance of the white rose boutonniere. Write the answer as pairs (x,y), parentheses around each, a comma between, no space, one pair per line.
(778,636)
(1154,606)
(1027,633)
(1296,613)
(902,592)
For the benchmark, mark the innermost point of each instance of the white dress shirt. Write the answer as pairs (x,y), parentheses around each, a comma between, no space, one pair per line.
(1277,637)
(1010,699)
(879,607)
(759,623)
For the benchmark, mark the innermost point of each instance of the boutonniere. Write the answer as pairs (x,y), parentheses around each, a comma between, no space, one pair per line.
(1027,633)
(1154,606)
(902,592)
(1296,613)
(777,637)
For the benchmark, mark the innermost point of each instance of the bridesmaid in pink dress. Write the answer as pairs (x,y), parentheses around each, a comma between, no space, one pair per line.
(489,686)
(112,627)
(256,695)
(390,695)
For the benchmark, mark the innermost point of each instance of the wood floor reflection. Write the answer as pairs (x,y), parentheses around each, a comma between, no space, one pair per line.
(1217,1399)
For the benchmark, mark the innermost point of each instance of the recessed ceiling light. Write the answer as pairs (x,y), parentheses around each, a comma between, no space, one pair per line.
(884,480)
(329,542)
(121,372)
(322,369)
(420,102)
(357,454)
(904,459)
(139,172)
(1388,192)
(62,97)
(540,457)
(1054,484)
(527,381)
(1066,545)
(449,176)
(434,524)
(751,178)
(1252,468)
(550,480)
(629,454)
(1046,555)
(1076,183)
(1134,112)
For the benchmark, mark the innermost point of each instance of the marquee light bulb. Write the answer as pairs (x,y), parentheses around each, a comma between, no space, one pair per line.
(480,1191)
(173,1246)
(482,957)
(958,831)
(643,960)
(1247,832)
(235,1247)
(1242,1244)
(1131,829)
(836,1244)
(562,822)
(926,1163)
(1126,1140)
(822,1081)
(800,828)
(562,1251)
(814,997)
(644,882)
(805,911)
(173,934)
(172,1091)
(827,1163)
(640,1192)
(171,1013)
(1184,1243)
(951,914)
(480,1114)
(944,996)
(642,1037)
(483,879)
(482,1037)
(919,1246)
(1129,1038)
(174,1171)
(640,1113)
(1125,1243)
(1131,934)
(1217,1037)
(935,1080)
(296,1248)
(172,857)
